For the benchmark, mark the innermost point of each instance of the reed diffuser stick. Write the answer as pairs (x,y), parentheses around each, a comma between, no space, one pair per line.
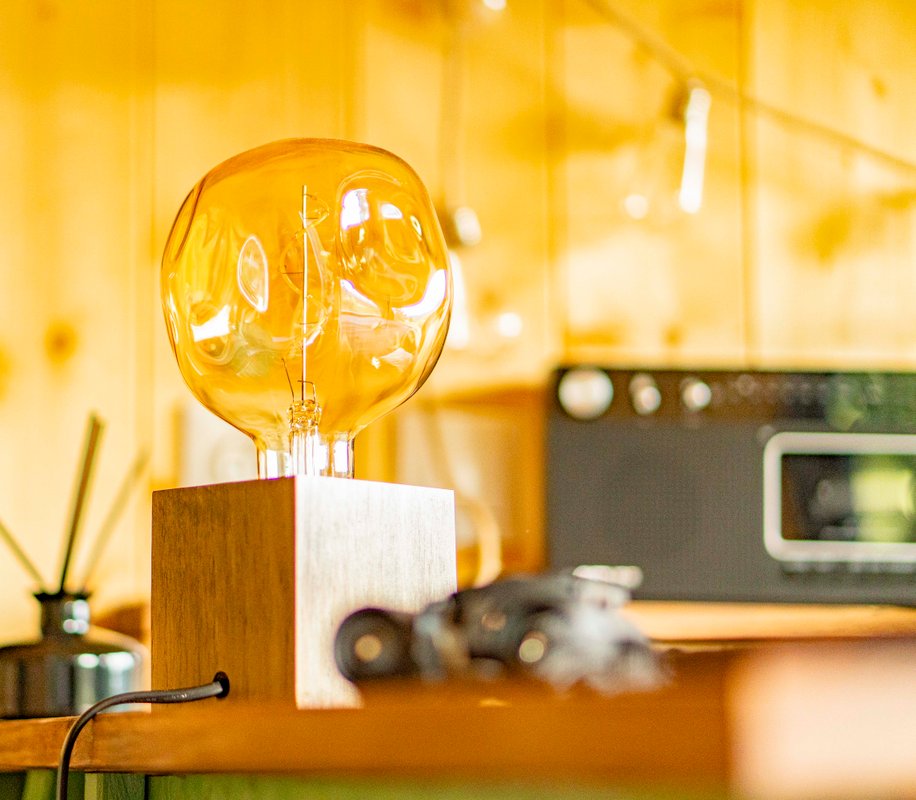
(92,439)
(121,498)
(20,555)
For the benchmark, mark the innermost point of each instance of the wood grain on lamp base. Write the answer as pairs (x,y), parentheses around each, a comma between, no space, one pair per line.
(253,578)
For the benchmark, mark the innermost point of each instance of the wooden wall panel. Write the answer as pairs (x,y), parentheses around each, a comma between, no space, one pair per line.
(849,66)
(832,226)
(650,282)
(73,322)
(500,170)
(540,117)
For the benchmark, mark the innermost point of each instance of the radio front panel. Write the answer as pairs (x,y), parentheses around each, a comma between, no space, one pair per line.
(730,485)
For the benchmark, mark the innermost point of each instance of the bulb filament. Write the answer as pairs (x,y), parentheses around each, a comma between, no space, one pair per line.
(304,441)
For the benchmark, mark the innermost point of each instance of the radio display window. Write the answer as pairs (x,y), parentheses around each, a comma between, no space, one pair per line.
(849,498)
(840,497)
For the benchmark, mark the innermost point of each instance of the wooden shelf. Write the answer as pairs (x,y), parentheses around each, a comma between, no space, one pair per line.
(499,728)
(831,719)
(724,623)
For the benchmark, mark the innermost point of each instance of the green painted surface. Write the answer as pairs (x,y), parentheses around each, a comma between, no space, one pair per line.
(40,784)
(11,785)
(114,786)
(236,787)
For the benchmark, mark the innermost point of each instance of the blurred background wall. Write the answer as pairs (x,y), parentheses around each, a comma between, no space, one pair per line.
(562,124)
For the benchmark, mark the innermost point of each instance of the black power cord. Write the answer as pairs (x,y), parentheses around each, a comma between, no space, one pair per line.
(218,687)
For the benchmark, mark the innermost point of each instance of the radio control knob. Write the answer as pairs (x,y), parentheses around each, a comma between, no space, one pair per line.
(644,394)
(585,393)
(695,394)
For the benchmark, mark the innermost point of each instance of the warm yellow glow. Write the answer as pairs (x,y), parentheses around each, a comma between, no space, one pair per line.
(253,276)
(459,332)
(510,325)
(436,292)
(636,205)
(213,328)
(696,117)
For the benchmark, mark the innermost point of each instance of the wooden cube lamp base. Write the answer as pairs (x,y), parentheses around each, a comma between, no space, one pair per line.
(254,578)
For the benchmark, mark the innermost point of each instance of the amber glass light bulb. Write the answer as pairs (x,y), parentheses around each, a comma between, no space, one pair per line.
(306,291)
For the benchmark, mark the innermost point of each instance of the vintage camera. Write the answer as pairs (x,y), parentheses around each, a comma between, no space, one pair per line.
(563,628)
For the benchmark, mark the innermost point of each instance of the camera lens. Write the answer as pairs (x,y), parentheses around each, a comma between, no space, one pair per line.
(374,643)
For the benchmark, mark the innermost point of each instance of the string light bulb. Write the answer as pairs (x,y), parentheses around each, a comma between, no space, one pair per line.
(306,288)
(696,123)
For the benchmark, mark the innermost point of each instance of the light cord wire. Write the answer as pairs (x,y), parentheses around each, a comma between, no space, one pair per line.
(218,687)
